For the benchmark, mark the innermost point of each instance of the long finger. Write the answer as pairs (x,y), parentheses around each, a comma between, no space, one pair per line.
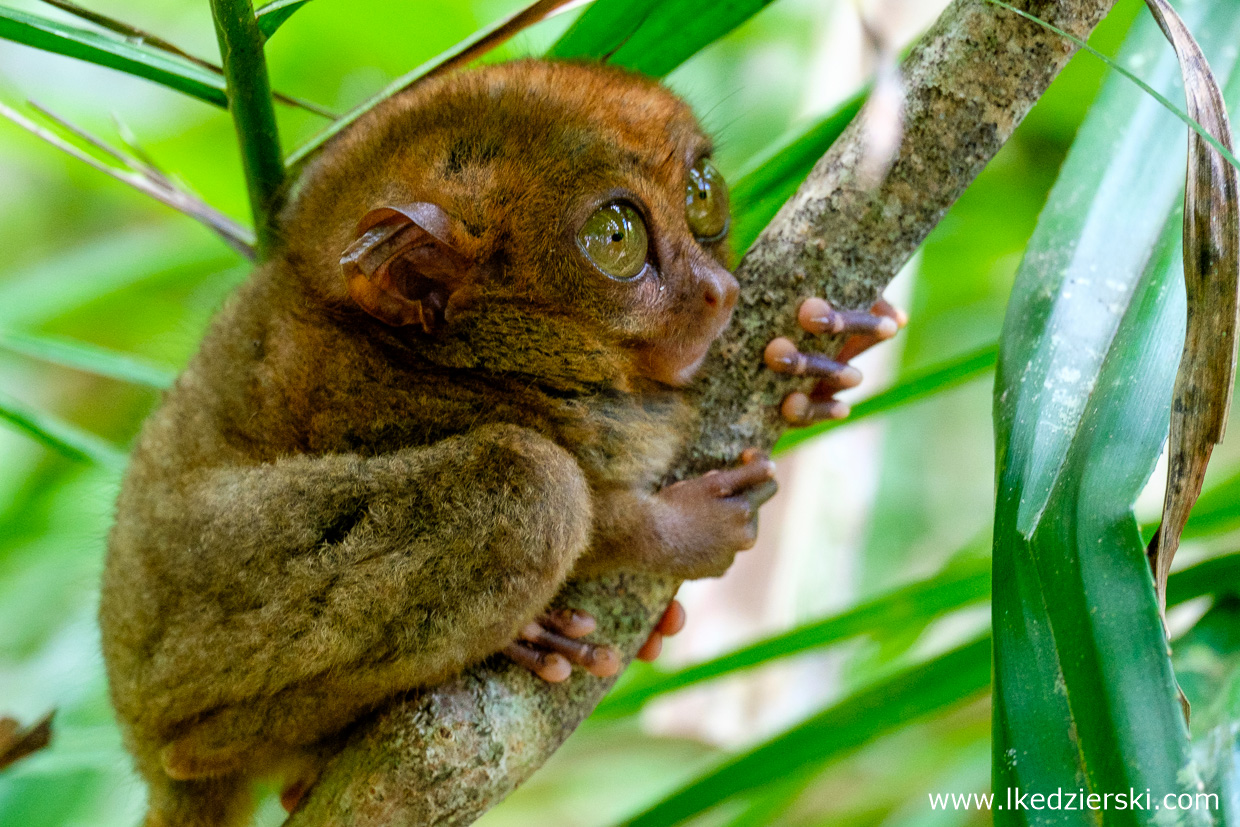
(818,317)
(782,356)
(550,666)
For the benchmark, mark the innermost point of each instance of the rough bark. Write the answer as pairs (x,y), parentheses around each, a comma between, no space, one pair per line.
(445,756)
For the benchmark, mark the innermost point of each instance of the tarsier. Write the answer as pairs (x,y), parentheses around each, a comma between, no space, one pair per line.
(454,386)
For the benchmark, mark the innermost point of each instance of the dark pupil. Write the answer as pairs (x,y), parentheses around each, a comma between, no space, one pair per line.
(702,194)
(617,236)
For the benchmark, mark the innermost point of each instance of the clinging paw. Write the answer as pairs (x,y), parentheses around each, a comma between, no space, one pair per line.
(549,647)
(864,329)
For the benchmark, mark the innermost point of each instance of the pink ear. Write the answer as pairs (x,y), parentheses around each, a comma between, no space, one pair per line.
(406,262)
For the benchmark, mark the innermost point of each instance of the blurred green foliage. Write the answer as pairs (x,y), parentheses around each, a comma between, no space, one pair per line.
(86,260)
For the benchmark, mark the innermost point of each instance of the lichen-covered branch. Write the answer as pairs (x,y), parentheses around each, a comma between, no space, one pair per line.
(444,756)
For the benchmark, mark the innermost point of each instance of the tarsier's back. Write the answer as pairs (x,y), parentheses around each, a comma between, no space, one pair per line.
(452,387)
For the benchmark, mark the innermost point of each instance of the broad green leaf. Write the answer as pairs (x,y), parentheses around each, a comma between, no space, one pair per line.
(272,16)
(61,437)
(141,61)
(1085,696)
(652,36)
(857,719)
(89,358)
(920,385)
(915,604)
(773,177)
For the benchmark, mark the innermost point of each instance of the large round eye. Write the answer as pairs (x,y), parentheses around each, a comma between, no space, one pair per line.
(615,239)
(706,202)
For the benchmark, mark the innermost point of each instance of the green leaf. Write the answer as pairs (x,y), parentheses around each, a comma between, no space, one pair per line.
(272,16)
(61,437)
(88,358)
(861,717)
(920,385)
(652,36)
(915,604)
(1085,696)
(774,176)
(140,61)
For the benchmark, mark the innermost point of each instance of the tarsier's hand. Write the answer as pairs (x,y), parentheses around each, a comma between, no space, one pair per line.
(864,330)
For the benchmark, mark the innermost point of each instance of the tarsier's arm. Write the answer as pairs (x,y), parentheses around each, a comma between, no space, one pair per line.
(369,573)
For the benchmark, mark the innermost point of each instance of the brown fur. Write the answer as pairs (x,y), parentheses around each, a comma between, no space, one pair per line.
(328,510)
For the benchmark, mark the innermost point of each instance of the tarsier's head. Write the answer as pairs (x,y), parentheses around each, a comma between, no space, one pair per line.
(548,187)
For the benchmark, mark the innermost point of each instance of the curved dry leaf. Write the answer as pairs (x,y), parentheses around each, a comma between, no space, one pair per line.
(1211,271)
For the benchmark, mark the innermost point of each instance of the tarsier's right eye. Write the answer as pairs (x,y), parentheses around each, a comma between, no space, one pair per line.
(615,239)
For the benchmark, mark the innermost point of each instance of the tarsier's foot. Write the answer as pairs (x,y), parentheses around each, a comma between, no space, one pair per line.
(671,623)
(548,647)
(864,330)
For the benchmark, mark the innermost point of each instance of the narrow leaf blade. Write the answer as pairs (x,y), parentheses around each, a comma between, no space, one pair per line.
(61,437)
(140,61)
(88,358)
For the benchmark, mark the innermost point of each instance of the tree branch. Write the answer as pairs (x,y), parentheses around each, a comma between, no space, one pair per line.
(446,755)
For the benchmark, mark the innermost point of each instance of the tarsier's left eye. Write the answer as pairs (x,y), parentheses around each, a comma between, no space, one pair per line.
(615,239)
(706,202)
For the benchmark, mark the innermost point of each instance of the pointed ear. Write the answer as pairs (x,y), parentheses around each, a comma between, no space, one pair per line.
(405,263)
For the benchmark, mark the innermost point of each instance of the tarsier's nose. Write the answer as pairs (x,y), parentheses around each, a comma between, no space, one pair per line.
(720,289)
